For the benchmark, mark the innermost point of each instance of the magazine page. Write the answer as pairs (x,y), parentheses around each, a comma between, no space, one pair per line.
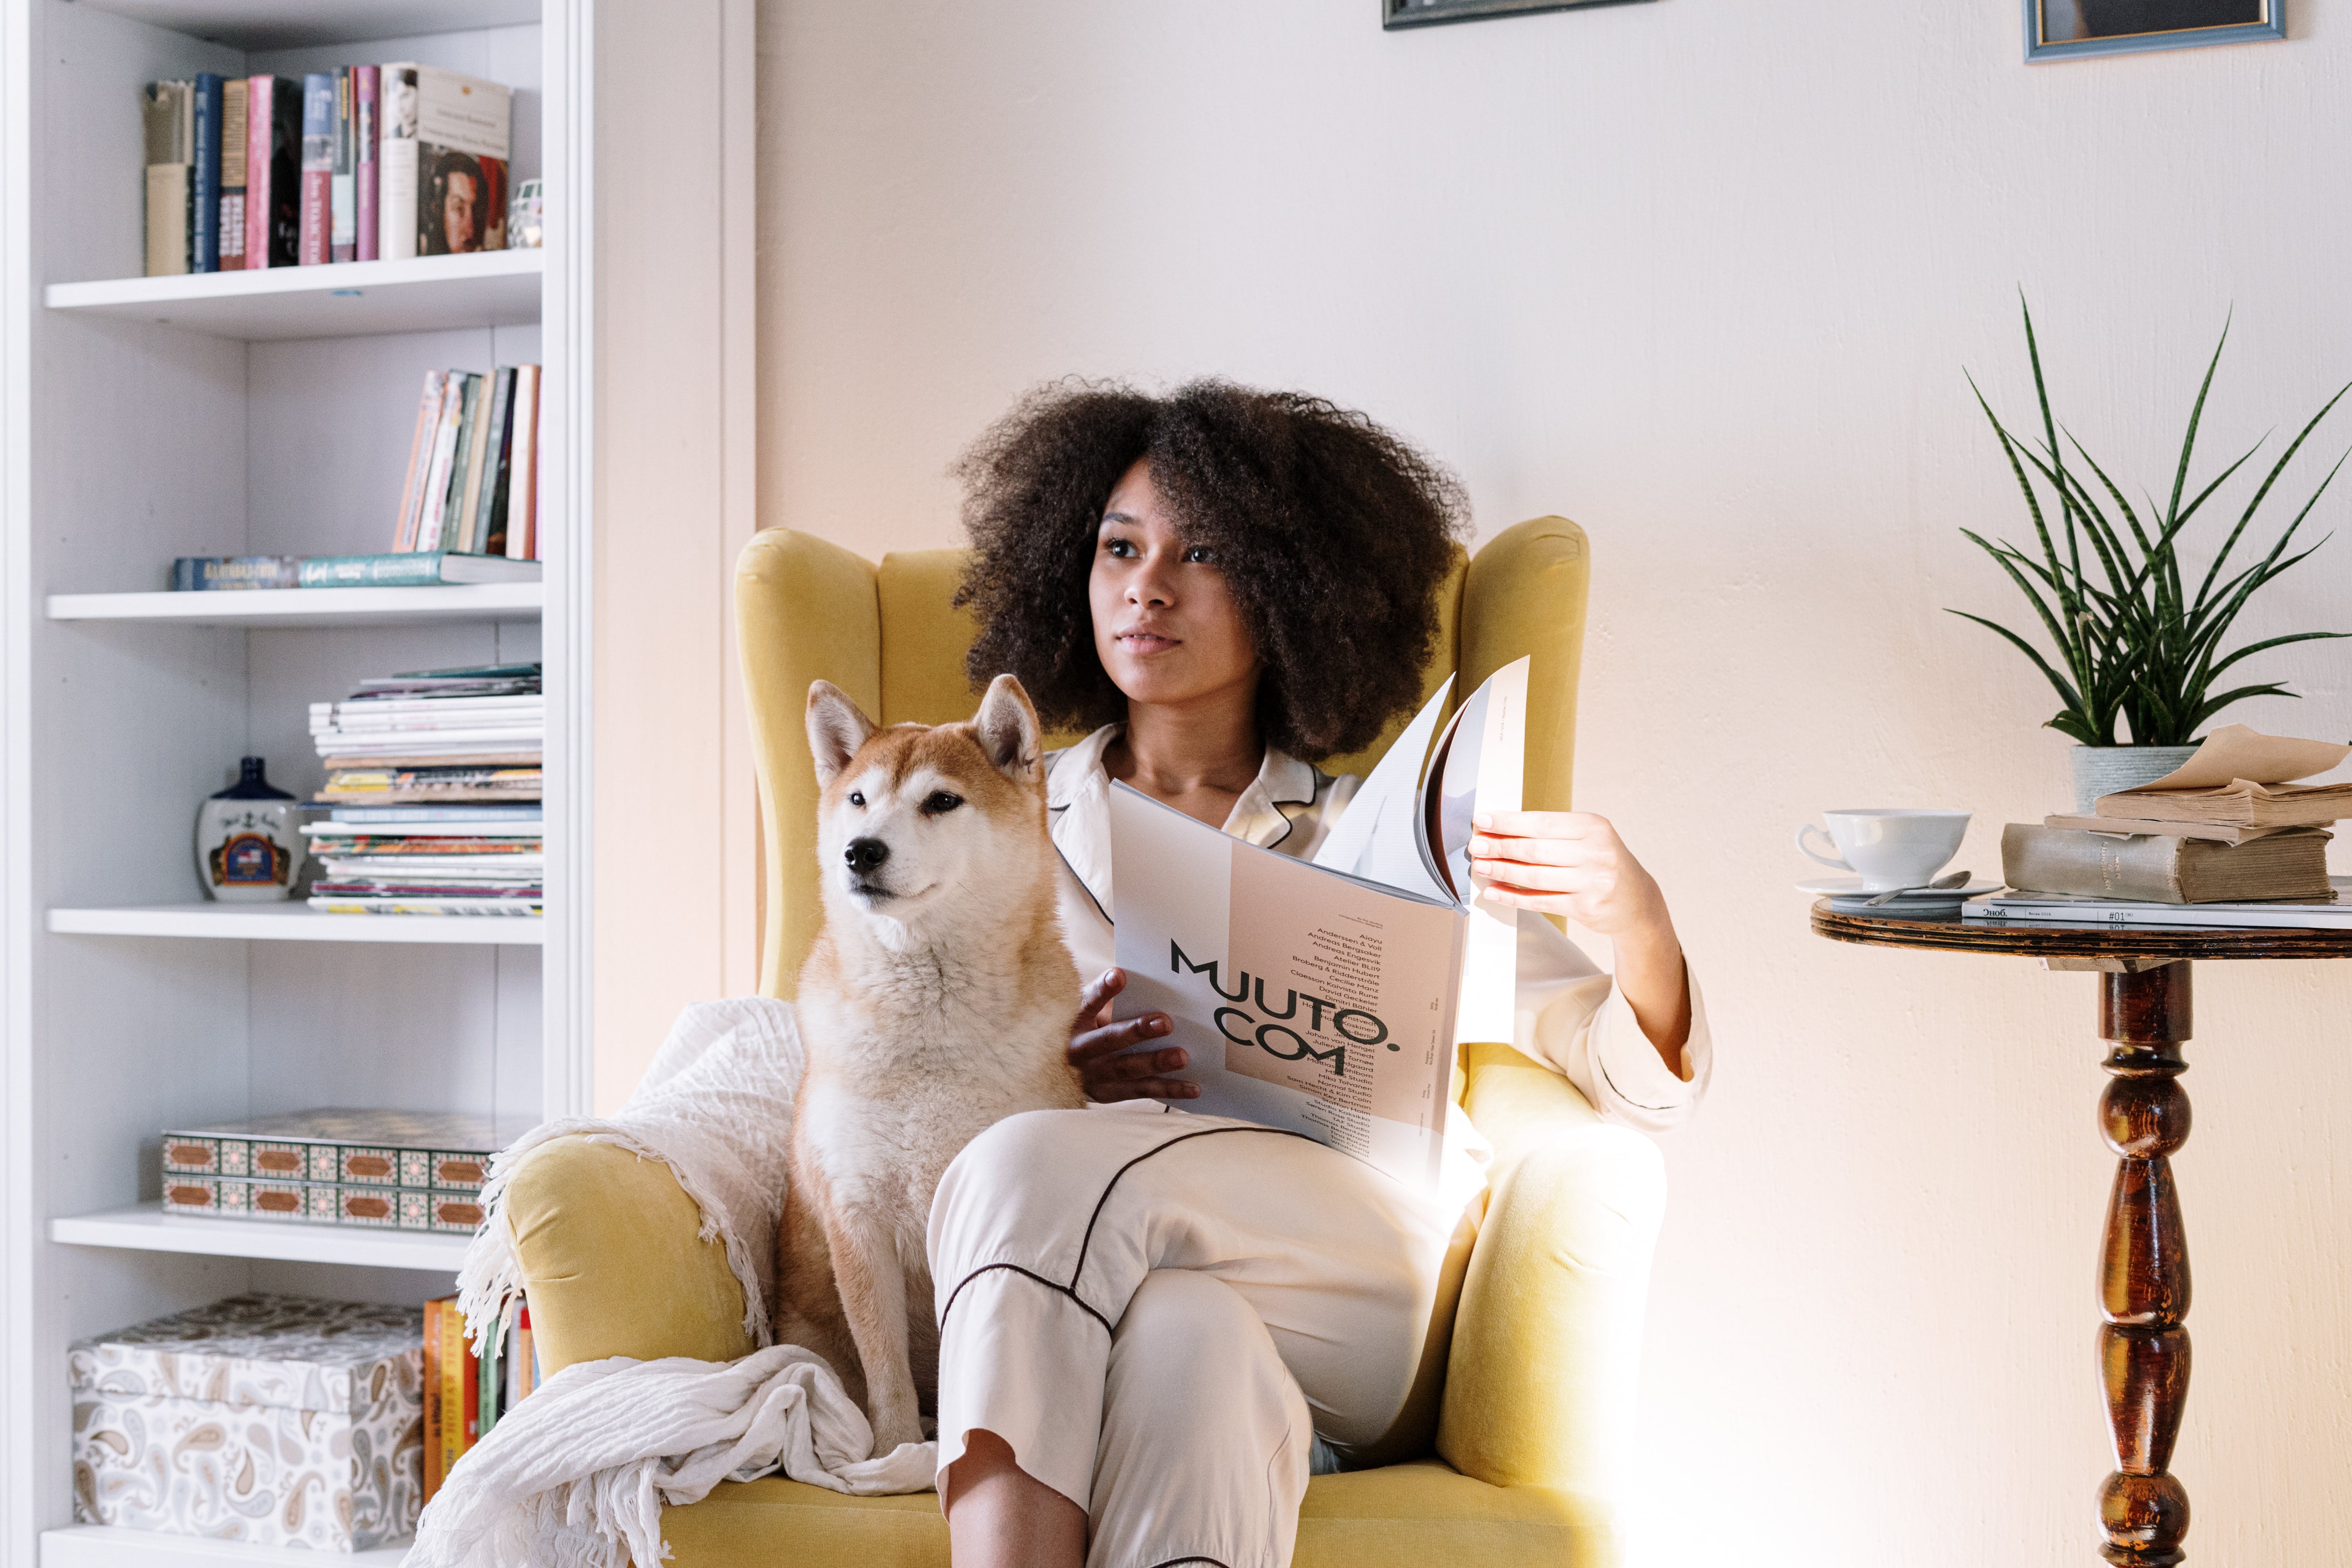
(1307,999)
(1374,837)
(1483,767)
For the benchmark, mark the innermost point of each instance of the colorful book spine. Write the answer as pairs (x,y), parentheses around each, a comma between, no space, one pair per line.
(167,120)
(317,169)
(235,94)
(213,573)
(342,197)
(273,172)
(365,82)
(434,504)
(466,490)
(408,569)
(204,239)
(482,511)
(396,162)
(456,1388)
(420,459)
(521,519)
(453,496)
(436,1467)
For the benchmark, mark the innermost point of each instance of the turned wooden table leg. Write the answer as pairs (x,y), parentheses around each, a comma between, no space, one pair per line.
(2144,1265)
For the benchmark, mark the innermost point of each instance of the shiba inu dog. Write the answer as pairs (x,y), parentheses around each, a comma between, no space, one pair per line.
(938,1000)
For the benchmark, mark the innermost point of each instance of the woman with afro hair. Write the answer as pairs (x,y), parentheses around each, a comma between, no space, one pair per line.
(1155,1324)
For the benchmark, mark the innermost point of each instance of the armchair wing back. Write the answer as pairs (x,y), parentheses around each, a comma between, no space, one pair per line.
(889,636)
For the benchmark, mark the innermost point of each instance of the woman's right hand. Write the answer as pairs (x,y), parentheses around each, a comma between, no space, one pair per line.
(1097,1044)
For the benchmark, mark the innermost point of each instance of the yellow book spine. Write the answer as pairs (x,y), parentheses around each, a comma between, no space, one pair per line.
(452,1385)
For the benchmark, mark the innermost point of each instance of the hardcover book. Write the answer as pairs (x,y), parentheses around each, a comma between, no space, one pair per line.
(2163,868)
(366,188)
(273,172)
(318,168)
(212,574)
(205,198)
(342,192)
(414,568)
(1326,997)
(167,120)
(442,162)
(235,92)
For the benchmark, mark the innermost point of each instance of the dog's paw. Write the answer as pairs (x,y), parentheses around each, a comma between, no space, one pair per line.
(894,1429)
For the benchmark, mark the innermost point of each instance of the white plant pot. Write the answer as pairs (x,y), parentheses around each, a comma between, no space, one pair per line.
(2105,769)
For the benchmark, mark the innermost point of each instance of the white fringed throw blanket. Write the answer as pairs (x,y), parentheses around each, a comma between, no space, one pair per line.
(577,1475)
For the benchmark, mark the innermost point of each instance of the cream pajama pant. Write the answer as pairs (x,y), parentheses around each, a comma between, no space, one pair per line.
(1157,1312)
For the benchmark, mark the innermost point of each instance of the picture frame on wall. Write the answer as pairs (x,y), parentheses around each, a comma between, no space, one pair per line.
(2069,29)
(1396,13)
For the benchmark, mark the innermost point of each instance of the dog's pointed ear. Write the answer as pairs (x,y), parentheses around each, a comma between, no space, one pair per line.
(836,729)
(1006,729)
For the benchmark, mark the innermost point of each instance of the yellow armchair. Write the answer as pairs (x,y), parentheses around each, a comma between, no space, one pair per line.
(1538,1409)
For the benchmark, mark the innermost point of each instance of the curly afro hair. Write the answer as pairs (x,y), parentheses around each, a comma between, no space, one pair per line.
(1333,536)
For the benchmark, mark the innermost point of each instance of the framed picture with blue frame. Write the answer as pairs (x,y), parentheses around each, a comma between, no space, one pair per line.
(2065,29)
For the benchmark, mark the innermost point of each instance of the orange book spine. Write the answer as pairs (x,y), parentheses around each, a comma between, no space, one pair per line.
(456,1434)
(433,1468)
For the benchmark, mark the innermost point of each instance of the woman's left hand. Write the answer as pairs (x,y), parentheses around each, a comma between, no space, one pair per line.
(1567,863)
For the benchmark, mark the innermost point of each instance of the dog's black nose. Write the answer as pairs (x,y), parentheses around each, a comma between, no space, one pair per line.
(864,854)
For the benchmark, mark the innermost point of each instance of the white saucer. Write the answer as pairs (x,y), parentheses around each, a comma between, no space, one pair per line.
(1852,888)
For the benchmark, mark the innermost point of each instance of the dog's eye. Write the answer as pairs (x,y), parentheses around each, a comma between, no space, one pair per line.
(942,803)
(858,798)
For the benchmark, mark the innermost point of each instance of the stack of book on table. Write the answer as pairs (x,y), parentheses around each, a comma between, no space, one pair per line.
(434,785)
(2224,841)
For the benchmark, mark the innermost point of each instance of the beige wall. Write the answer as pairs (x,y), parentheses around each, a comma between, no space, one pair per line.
(674,865)
(1702,274)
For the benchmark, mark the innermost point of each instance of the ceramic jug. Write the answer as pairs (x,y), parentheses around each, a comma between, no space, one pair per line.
(249,847)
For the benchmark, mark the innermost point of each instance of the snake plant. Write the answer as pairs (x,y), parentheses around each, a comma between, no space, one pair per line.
(2133,646)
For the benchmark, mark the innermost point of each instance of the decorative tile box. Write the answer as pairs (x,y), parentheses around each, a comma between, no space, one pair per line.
(401,1170)
(273,1420)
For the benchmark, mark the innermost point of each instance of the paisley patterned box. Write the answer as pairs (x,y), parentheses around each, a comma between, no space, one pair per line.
(276,1420)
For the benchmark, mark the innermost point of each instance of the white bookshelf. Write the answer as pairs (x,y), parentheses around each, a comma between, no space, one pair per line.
(297,922)
(309,607)
(96,1546)
(250,413)
(145,1227)
(348,300)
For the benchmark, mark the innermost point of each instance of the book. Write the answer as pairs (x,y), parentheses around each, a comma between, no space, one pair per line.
(434,503)
(205,217)
(414,568)
(2240,777)
(1327,997)
(167,119)
(2133,826)
(482,506)
(437,1466)
(273,171)
(442,164)
(465,490)
(213,573)
(318,168)
(235,91)
(441,818)
(420,460)
(365,81)
(457,1387)
(519,519)
(522,1356)
(2011,906)
(429,785)
(419,904)
(491,1384)
(2163,869)
(342,192)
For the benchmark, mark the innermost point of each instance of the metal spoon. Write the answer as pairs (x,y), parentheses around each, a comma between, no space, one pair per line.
(1952,879)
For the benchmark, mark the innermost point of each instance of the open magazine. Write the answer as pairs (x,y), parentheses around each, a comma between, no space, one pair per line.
(1327,996)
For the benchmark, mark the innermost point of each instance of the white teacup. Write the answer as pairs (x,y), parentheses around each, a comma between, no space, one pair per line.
(1889,849)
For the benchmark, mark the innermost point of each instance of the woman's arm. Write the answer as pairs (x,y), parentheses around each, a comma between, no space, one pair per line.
(1572,863)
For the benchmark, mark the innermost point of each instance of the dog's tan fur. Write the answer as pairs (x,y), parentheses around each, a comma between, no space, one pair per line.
(938,1000)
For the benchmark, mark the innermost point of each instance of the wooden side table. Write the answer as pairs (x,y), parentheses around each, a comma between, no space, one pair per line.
(2144,1004)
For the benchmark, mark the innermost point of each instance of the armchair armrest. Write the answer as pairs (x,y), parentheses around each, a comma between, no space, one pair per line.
(612,1262)
(1541,1377)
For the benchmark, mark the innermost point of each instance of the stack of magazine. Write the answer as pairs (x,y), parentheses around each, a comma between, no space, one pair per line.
(2226,841)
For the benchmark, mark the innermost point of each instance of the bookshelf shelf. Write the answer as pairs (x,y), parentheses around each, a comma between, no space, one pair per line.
(104,1546)
(287,23)
(145,1227)
(298,922)
(310,607)
(347,299)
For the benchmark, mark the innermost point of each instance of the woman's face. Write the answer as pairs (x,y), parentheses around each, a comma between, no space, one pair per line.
(1166,627)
